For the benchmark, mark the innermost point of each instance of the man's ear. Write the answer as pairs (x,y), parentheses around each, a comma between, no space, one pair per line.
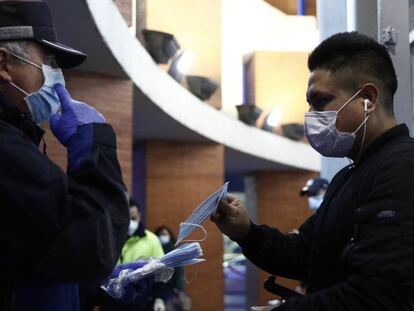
(370,95)
(5,58)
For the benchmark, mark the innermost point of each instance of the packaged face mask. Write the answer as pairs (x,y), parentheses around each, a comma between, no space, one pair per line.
(186,254)
(201,213)
(161,269)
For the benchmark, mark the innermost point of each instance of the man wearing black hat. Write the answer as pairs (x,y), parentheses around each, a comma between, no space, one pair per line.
(57,229)
(357,250)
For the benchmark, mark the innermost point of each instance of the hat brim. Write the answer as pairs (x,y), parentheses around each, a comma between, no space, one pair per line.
(307,191)
(66,57)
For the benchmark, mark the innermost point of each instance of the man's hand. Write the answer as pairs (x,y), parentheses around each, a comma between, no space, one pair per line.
(74,113)
(231,218)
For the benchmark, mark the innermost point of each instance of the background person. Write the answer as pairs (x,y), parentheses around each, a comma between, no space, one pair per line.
(173,290)
(315,190)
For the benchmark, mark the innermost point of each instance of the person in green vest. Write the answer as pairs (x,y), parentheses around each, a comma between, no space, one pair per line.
(141,243)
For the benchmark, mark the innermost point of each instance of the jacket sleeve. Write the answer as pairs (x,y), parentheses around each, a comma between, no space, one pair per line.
(278,253)
(380,258)
(68,227)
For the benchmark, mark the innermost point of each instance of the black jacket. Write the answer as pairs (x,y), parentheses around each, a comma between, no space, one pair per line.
(357,251)
(57,226)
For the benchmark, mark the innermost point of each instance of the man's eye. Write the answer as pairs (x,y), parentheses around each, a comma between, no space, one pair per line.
(320,102)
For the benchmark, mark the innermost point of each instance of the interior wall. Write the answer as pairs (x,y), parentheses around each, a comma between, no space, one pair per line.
(281,206)
(179,176)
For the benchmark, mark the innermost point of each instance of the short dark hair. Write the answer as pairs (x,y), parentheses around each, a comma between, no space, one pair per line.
(360,59)
(133,203)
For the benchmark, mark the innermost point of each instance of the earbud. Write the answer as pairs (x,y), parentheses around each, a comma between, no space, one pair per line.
(366,102)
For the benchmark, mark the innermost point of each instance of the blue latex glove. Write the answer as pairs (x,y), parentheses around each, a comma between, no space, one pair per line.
(64,124)
(133,292)
(132,265)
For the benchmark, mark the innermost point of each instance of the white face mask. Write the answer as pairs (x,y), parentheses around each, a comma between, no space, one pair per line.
(324,137)
(164,239)
(315,202)
(133,226)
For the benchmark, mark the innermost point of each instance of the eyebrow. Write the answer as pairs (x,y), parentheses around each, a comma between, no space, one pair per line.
(317,94)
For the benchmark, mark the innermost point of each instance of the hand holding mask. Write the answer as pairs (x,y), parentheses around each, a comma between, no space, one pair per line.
(74,114)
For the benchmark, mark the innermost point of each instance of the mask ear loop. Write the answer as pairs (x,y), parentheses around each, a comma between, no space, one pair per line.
(26,61)
(193,277)
(349,100)
(194,225)
(366,116)
(19,89)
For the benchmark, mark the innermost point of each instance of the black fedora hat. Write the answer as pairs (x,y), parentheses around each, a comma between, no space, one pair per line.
(32,20)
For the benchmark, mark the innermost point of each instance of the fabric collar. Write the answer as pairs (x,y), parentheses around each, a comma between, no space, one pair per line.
(140,232)
(11,114)
(400,130)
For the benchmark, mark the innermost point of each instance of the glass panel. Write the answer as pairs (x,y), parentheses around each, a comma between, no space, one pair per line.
(411,14)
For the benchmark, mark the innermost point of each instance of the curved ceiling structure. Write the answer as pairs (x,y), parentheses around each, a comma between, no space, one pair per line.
(164,109)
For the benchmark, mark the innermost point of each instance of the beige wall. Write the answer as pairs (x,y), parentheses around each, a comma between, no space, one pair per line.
(279,80)
(196,24)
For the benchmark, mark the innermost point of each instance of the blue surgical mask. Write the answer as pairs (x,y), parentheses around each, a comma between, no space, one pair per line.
(44,102)
(200,214)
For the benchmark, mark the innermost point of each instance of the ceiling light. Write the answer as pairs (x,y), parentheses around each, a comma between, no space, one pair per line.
(181,64)
(274,117)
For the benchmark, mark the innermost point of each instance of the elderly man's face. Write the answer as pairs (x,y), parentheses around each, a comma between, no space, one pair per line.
(326,94)
(26,76)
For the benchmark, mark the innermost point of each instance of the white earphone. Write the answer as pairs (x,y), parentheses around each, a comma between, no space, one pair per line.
(366,102)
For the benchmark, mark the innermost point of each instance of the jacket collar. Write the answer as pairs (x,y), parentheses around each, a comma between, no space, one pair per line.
(11,114)
(400,130)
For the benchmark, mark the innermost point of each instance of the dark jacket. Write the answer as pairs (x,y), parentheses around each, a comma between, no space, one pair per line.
(357,251)
(56,229)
